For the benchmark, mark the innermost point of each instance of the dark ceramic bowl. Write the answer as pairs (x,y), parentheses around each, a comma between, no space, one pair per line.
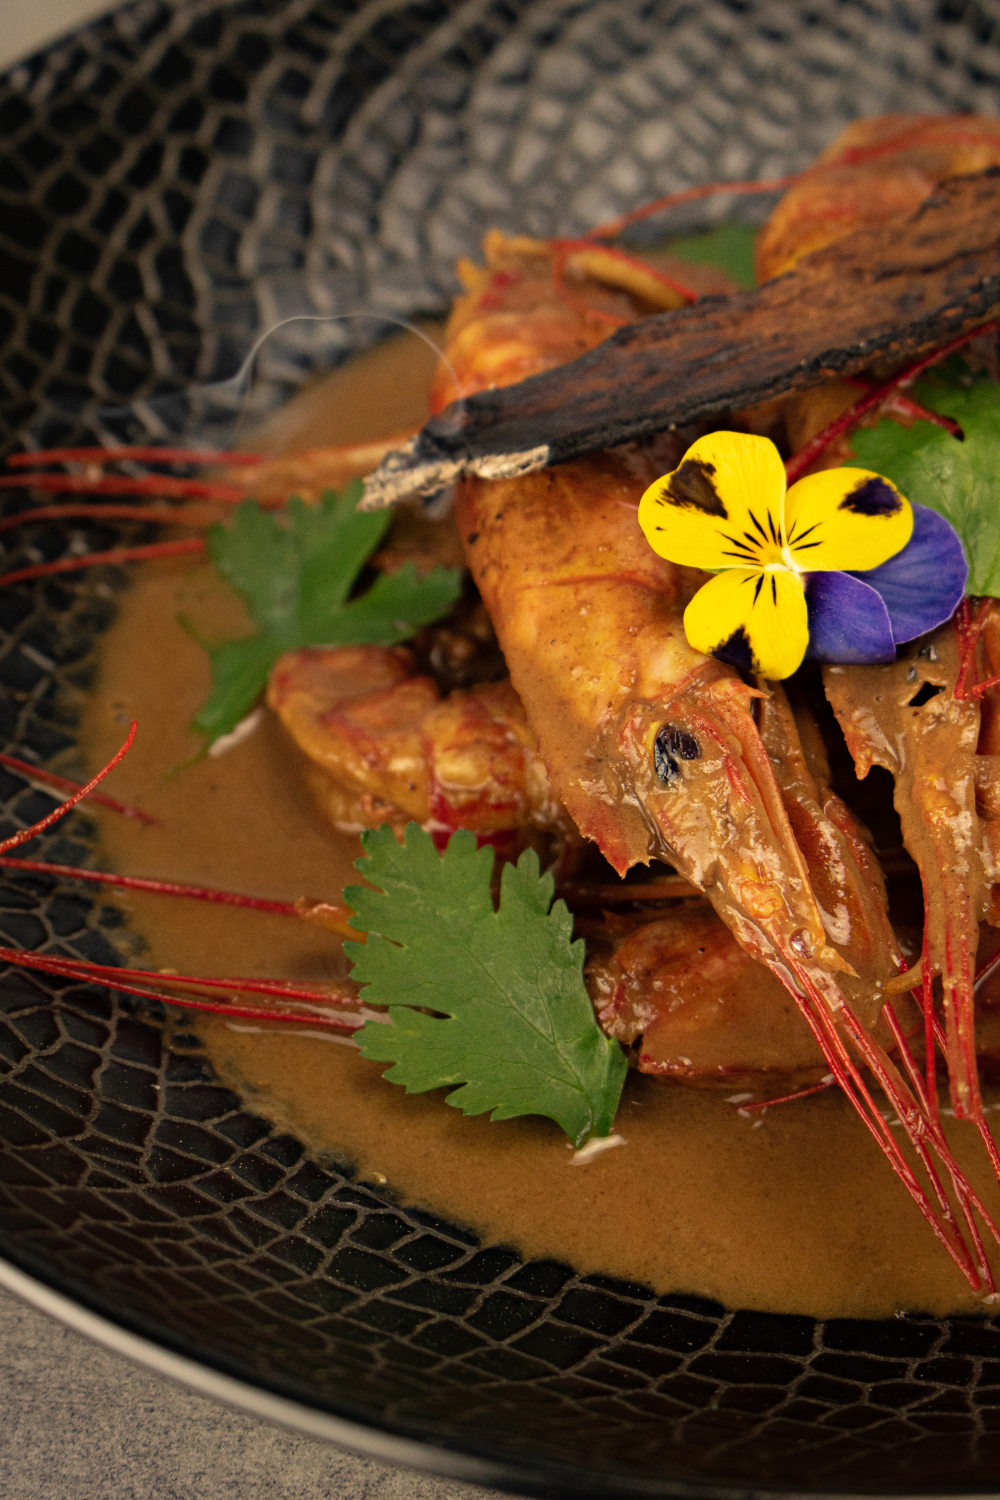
(175,179)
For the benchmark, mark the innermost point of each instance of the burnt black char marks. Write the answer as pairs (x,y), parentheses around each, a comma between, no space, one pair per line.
(884,292)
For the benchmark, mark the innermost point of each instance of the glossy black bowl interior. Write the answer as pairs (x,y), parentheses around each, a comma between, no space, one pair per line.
(175,180)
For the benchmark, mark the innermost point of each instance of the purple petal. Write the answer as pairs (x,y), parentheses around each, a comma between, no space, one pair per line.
(848,622)
(922,585)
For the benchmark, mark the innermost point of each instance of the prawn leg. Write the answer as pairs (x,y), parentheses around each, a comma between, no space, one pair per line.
(846,878)
(695,1008)
(906,717)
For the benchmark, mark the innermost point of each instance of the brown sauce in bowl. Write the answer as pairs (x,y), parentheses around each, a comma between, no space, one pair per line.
(790,1210)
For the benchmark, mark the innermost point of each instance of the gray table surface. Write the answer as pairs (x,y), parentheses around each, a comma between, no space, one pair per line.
(28,25)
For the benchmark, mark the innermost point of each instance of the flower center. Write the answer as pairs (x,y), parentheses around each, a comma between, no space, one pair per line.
(763,546)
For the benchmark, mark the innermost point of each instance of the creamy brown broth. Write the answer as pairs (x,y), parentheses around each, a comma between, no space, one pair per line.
(794,1210)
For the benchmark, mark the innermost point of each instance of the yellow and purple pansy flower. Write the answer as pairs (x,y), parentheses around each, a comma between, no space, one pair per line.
(840,566)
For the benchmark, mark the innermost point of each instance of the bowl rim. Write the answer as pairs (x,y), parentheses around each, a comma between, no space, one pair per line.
(369,1439)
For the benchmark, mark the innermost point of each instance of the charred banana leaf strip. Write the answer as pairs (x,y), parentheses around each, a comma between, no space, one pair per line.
(885,293)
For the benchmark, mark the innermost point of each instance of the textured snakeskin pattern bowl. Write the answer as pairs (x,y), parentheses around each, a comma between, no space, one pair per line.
(174,180)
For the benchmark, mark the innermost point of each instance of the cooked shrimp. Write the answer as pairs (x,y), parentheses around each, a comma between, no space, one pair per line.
(876,170)
(383,746)
(912,717)
(655,752)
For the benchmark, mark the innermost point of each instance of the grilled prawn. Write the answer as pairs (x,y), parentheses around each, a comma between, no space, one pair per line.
(657,751)
(920,717)
(383,746)
(877,170)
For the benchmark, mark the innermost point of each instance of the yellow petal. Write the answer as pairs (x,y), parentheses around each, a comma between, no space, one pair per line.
(763,614)
(721,506)
(846,518)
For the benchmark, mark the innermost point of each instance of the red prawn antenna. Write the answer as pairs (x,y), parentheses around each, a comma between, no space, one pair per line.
(25,834)
(41,777)
(808,454)
(851,156)
(148,454)
(94,559)
(155,887)
(94,480)
(146,513)
(614,227)
(148,984)
(908,1095)
(124,484)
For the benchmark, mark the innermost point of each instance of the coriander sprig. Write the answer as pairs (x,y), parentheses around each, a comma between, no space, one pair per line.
(296,569)
(488,1002)
(958,478)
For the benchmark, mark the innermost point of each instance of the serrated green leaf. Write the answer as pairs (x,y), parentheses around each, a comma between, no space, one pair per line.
(959,479)
(334,539)
(239,676)
(513,1025)
(295,570)
(256,556)
(728,246)
(395,606)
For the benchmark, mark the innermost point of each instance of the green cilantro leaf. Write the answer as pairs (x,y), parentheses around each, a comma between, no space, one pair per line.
(295,570)
(513,1024)
(728,247)
(960,480)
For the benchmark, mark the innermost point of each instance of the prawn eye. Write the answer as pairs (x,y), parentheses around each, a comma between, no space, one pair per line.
(673,744)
